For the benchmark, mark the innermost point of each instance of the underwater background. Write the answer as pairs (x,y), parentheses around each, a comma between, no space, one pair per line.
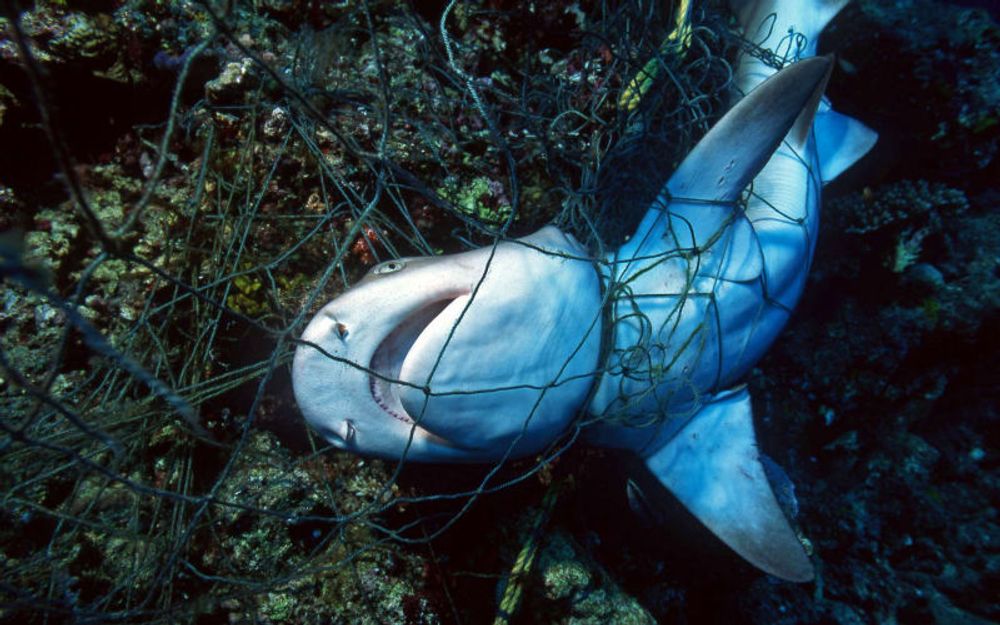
(183,184)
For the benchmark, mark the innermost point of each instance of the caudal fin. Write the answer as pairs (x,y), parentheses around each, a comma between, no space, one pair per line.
(759,19)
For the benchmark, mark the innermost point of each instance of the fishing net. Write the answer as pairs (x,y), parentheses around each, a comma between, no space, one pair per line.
(185,184)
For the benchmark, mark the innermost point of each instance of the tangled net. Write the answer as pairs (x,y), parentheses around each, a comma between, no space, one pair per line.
(153,467)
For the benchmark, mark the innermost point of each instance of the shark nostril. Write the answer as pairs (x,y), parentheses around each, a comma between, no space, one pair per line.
(338,325)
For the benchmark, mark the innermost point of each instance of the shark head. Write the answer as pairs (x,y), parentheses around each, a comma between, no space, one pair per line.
(467,356)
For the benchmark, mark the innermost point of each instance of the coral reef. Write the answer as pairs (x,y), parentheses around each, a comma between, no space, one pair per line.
(276,533)
(164,475)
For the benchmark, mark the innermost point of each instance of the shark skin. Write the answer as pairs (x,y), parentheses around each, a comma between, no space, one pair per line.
(495,352)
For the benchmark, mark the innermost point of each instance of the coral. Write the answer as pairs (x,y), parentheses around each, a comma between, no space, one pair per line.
(907,250)
(482,198)
(891,224)
(574,589)
(246,296)
(563,578)
(51,240)
(82,36)
(321,584)
(898,203)
(233,84)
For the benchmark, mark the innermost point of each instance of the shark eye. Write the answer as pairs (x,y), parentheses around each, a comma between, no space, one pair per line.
(389,266)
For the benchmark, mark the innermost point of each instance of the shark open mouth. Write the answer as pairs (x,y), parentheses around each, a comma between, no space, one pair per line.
(387,361)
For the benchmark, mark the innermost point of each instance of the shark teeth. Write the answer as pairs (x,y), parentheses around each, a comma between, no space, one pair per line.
(388,358)
(379,389)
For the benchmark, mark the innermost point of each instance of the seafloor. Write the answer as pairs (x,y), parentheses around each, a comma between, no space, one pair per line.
(183,183)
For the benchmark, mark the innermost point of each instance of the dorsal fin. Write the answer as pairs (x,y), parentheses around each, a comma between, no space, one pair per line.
(713,467)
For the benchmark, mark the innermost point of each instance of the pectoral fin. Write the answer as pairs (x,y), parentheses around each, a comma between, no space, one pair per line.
(713,467)
(728,157)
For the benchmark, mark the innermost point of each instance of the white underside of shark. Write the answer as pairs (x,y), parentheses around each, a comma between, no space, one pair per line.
(496,352)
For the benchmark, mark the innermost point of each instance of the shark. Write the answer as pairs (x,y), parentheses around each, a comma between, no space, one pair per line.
(497,352)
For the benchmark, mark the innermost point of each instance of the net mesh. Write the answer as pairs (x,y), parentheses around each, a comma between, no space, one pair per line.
(153,466)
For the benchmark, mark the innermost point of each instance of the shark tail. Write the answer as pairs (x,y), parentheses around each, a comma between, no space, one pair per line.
(713,467)
(754,17)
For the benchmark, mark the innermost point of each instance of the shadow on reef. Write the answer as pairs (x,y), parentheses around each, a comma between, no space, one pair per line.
(597,561)
(939,118)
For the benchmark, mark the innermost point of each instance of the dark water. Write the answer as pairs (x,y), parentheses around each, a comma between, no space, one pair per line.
(989,5)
